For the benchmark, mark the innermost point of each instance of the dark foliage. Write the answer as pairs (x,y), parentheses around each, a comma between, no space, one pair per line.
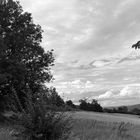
(54,98)
(24,70)
(121,109)
(23,62)
(137,45)
(70,104)
(38,123)
(136,111)
(93,106)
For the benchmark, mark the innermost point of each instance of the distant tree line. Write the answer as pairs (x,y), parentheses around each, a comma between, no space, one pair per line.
(122,109)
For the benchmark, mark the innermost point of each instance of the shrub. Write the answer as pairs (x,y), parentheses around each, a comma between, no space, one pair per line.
(40,126)
(70,104)
(37,123)
(93,106)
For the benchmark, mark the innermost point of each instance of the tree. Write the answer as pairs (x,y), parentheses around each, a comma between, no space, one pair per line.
(54,98)
(83,104)
(123,109)
(70,103)
(24,69)
(136,111)
(93,106)
(23,62)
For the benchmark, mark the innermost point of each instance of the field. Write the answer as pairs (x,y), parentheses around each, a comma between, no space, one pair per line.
(101,126)
(96,126)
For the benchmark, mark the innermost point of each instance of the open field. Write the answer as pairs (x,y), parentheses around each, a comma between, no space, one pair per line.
(101,126)
(96,126)
(107,117)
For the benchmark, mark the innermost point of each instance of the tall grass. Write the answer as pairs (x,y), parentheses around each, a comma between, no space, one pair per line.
(100,130)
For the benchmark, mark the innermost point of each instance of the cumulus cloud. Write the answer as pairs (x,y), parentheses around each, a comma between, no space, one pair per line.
(116,97)
(130,92)
(106,95)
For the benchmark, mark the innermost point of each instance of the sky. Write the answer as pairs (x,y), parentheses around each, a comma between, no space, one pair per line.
(92,42)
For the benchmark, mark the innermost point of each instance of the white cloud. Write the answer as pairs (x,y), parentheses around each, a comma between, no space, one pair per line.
(126,91)
(100,63)
(130,92)
(89,84)
(106,95)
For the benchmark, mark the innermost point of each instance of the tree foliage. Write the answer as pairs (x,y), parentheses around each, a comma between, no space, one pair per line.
(55,99)
(136,45)
(93,106)
(70,103)
(23,62)
(24,70)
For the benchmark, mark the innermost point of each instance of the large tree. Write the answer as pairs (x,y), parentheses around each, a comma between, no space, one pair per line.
(23,62)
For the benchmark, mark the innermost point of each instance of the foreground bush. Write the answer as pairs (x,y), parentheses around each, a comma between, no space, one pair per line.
(37,123)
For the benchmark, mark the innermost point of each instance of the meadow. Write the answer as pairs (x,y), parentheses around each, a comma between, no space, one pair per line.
(100,126)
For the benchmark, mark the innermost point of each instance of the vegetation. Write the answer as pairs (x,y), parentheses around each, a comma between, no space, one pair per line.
(100,126)
(70,104)
(24,70)
(135,111)
(122,109)
(38,111)
(39,123)
(93,106)
(85,129)
(23,62)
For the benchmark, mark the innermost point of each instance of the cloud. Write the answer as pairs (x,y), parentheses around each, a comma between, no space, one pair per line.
(92,42)
(116,97)
(73,27)
(130,92)
(100,63)
(134,56)
(106,95)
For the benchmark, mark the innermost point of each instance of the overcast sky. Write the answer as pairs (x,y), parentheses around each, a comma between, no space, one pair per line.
(92,42)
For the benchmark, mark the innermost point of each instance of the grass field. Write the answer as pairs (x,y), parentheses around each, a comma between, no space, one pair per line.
(101,126)
(96,126)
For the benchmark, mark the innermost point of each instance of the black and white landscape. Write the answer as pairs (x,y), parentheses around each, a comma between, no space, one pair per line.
(69,70)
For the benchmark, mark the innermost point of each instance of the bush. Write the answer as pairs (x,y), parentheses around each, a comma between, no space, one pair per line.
(70,104)
(93,106)
(37,123)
